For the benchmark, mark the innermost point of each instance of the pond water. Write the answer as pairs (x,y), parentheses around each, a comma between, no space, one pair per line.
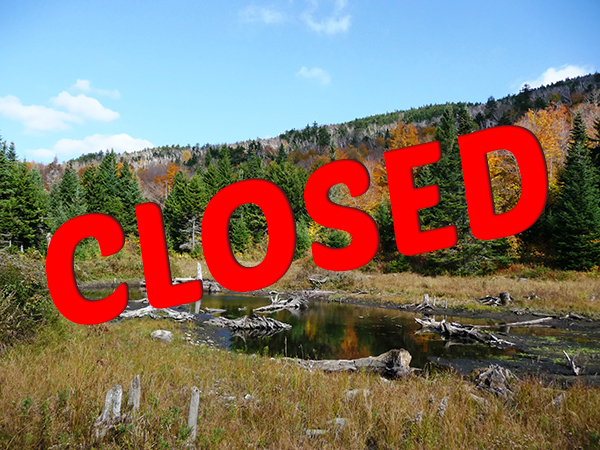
(331,330)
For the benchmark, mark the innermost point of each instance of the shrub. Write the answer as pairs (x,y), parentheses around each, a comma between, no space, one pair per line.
(25,304)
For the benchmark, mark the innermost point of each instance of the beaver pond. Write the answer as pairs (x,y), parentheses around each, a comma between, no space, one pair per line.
(333,330)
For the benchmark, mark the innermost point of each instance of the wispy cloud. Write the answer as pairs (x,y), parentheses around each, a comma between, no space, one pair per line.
(337,22)
(67,148)
(86,86)
(267,15)
(36,117)
(84,107)
(317,74)
(553,75)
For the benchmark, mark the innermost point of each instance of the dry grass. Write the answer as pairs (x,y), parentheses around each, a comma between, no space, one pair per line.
(52,391)
(555,290)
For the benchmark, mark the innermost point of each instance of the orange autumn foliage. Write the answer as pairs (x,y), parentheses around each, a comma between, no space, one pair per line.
(551,126)
(403,136)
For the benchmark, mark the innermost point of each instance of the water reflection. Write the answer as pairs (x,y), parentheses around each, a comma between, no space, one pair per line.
(330,330)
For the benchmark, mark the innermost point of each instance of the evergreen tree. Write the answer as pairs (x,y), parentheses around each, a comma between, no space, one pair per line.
(469,255)
(29,207)
(225,170)
(195,204)
(385,224)
(128,191)
(291,179)
(174,211)
(67,199)
(94,194)
(239,235)
(577,213)
(281,156)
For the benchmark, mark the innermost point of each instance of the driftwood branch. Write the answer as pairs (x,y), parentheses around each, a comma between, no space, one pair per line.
(454,329)
(391,364)
(278,304)
(166,313)
(576,369)
(251,326)
(317,283)
(503,299)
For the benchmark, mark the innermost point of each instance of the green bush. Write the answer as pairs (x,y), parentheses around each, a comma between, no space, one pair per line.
(25,304)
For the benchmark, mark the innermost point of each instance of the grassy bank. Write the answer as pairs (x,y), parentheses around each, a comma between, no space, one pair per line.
(52,391)
(550,291)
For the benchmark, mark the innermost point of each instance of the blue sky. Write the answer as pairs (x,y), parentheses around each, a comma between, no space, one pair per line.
(83,76)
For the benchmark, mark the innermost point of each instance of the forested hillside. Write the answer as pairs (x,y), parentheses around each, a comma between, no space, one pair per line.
(35,199)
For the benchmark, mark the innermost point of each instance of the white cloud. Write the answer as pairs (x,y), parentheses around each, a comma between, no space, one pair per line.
(262,14)
(553,75)
(82,85)
(68,148)
(84,106)
(315,73)
(336,23)
(35,117)
(86,86)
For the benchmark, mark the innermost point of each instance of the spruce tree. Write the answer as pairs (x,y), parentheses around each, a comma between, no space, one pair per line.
(577,213)
(212,180)
(175,210)
(469,255)
(29,208)
(128,191)
(67,199)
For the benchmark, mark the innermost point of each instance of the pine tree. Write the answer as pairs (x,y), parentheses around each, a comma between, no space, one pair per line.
(29,208)
(94,194)
(174,211)
(128,191)
(577,213)
(67,199)
(212,180)
(239,235)
(281,155)
(195,203)
(291,179)
(469,255)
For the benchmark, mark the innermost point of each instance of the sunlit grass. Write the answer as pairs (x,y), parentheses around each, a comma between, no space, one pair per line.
(52,391)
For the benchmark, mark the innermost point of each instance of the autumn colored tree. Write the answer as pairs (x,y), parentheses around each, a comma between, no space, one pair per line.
(403,135)
(168,180)
(551,127)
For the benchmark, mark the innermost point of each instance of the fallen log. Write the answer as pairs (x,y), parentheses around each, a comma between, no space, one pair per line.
(454,329)
(250,326)
(391,364)
(318,283)
(503,299)
(526,323)
(278,304)
(165,313)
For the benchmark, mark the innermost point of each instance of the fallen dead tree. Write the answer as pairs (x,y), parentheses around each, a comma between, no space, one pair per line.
(250,326)
(456,330)
(576,369)
(495,379)
(391,364)
(503,299)
(155,313)
(278,304)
